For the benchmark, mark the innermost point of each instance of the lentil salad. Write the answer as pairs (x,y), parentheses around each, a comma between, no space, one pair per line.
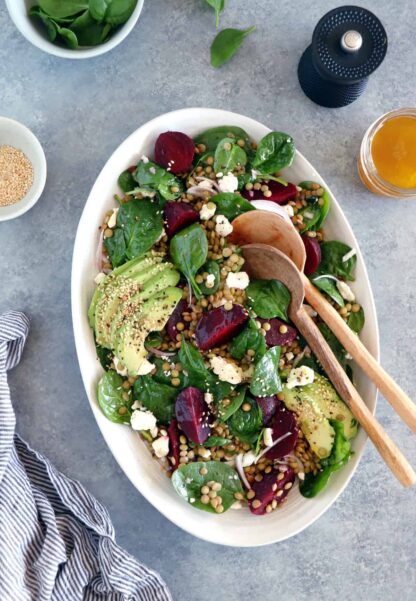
(200,360)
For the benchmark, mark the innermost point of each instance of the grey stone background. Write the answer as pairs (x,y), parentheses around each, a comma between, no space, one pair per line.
(364,548)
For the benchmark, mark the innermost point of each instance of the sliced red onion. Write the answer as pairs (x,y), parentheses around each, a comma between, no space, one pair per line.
(188,282)
(275,442)
(273,207)
(158,353)
(299,462)
(99,252)
(240,470)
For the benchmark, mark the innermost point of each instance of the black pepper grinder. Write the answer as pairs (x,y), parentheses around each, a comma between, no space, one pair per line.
(348,44)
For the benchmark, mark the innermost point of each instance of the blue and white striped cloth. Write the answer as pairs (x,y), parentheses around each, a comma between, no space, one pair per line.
(56,541)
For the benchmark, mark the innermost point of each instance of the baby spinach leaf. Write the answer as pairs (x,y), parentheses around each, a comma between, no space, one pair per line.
(158,398)
(340,454)
(218,6)
(250,338)
(49,24)
(68,36)
(332,253)
(213,136)
(210,267)
(110,398)
(356,321)
(231,205)
(274,152)
(104,355)
(156,178)
(164,376)
(141,222)
(325,202)
(311,214)
(60,9)
(88,31)
(126,181)
(226,43)
(228,156)
(266,380)
(189,250)
(188,481)
(328,285)
(216,441)
(246,424)
(226,411)
(268,298)
(119,11)
(116,248)
(98,8)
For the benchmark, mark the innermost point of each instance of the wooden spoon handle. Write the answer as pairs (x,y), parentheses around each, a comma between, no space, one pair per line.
(385,446)
(397,398)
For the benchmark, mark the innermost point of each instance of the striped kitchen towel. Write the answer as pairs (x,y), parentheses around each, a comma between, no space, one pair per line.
(56,541)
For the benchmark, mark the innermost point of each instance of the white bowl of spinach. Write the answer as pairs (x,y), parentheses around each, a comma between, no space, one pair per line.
(235,528)
(75,28)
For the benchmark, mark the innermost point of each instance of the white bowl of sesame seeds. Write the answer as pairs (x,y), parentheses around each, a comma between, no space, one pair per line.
(22,169)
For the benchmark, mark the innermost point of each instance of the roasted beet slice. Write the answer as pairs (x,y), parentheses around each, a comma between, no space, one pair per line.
(218,326)
(174,151)
(313,254)
(193,414)
(273,487)
(274,337)
(284,421)
(173,433)
(268,406)
(175,318)
(178,215)
(280,194)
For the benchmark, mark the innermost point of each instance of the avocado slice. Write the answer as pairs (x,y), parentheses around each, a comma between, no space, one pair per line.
(127,269)
(129,342)
(119,289)
(133,305)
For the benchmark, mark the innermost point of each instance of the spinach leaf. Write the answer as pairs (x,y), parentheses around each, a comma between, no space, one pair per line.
(218,6)
(156,178)
(268,298)
(341,452)
(98,8)
(164,376)
(69,37)
(246,424)
(120,11)
(249,338)
(337,348)
(188,481)
(266,379)
(328,285)
(139,225)
(228,156)
(126,181)
(104,355)
(325,203)
(332,253)
(231,205)
(226,43)
(213,136)
(210,267)
(50,26)
(274,152)
(88,31)
(189,250)
(158,398)
(216,441)
(356,321)
(311,214)
(110,398)
(59,9)
(225,412)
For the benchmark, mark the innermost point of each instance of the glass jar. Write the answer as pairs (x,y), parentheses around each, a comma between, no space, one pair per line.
(391,158)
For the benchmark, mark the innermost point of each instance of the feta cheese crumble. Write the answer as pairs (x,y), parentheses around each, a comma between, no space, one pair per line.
(144,159)
(345,291)
(145,368)
(161,446)
(237,280)
(248,459)
(300,376)
(142,420)
(289,210)
(207,211)
(226,370)
(210,281)
(208,398)
(228,183)
(223,226)
(120,369)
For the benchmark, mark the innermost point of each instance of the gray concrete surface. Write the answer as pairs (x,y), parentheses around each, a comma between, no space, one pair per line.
(364,548)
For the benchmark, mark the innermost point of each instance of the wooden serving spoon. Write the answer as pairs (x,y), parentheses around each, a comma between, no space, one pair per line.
(270,228)
(265,262)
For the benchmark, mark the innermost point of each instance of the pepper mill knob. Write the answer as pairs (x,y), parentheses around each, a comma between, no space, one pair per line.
(348,44)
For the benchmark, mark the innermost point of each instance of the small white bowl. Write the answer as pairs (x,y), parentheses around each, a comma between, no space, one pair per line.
(34,32)
(13,133)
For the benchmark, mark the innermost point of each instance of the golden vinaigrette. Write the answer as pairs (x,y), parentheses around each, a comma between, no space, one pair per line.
(387,163)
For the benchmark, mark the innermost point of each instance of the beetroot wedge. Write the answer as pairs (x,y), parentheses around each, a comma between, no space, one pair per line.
(284,423)
(193,414)
(175,318)
(218,326)
(280,194)
(174,151)
(313,254)
(173,433)
(268,406)
(276,337)
(178,215)
(273,487)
